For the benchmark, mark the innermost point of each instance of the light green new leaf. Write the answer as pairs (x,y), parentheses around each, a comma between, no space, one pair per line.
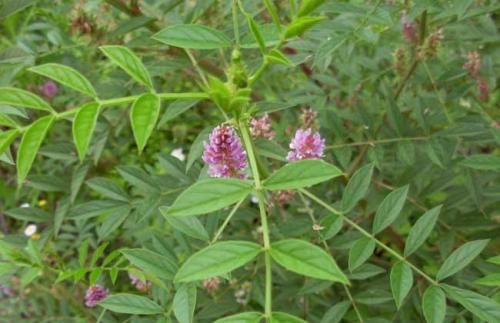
(360,252)
(151,262)
(357,187)
(461,258)
(21,98)
(389,209)
(421,230)
(434,304)
(307,259)
(143,117)
(483,307)
(300,174)
(209,195)
(275,56)
(489,280)
(189,225)
(483,162)
(184,303)
(256,33)
(83,127)
(30,143)
(245,317)
(192,36)
(66,76)
(280,317)
(306,6)
(6,138)
(300,25)
(217,259)
(271,8)
(7,121)
(129,62)
(401,282)
(130,304)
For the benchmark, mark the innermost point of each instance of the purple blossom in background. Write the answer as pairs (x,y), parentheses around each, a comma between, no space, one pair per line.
(409,29)
(224,153)
(49,89)
(95,294)
(141,285)
(306,145)
(261,127)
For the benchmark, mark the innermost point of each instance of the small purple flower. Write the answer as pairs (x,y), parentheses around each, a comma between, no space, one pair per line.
(224,153)
(306,145)
(49,89)
(261,127)
(409,29)
(141,285)
(95,294)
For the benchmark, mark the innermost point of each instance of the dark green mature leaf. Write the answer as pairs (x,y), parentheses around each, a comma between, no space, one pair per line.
(300,25)
(401,281)
(483,162)
(107,188)
(184,303)
(130,304)
(21,98)
(8,8)
(483,307)
(489,280)
(306,6)
(129,62)
(332,225)
(151,262)
(83,127)
(280,317)
(96,208)
(31,214)
(188,225)
(389,209)
(300,174)
(196,149)
(177,108)
(209,195)
(461,258)
(6,138)
(192,36)
(67,76)
(307,259)
(421,230)
(138,178)
(245,317)
(357,187)
(217,259)
(336,312)
(143,117)
(30,143)
(434,304)
(360,252)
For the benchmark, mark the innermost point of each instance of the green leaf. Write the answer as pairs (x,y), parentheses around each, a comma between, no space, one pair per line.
(143,117)
(401,282)
(421,230)
(129,62)
(434,304)
(188,225)
(130,304)
(6,138)
(307,6)
(483,307)
(184,303)
(7,121)
(461,258)
(151,262)
(21,98)
(245,317)
(306,259)
(83,127)
(332,225)
(494,260)
(277,57)
(336,312)
(192,36)
(280,317)
(31,214)
(83,252)
(389,209)
(256,33)
(271,8)
(300,25)
(176,108)
(96,208)
(482,162)
(107,188)
(489,280)
(360,252)
(357,187)
(300,174)
(209,195)
(30,143)
(217,259)
(67,76)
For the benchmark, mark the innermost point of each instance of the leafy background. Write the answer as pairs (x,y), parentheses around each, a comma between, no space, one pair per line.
(426,127)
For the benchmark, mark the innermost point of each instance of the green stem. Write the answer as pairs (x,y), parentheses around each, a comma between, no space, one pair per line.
(235,23)
(228,219)
(245,134)
(368,235)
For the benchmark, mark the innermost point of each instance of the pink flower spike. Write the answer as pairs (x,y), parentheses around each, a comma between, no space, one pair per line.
(306,145)
(224,153)
(261,127)
(49,89)
(95,294)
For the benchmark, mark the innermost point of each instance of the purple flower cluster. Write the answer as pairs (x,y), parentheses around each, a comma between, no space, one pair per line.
(95,294)
(261,127)
(49,89)
(409,29)
(306,145)
(142,285)
(224,153)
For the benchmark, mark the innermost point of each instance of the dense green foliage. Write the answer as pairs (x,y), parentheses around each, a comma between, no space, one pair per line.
(105,108)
